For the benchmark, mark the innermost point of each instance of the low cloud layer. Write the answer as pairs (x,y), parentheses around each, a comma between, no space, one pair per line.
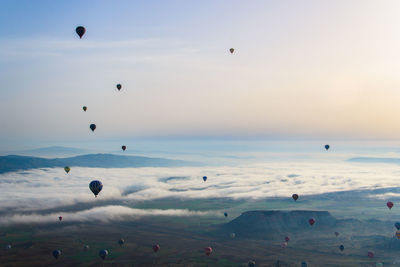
(103,214)
(28,192)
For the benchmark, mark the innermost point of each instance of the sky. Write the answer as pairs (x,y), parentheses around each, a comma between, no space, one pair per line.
(301,69)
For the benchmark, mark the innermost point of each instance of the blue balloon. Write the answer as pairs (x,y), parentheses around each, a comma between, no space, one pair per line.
(304,264)
(225,214)
(56,253)
(397,225)
(341,247)
(326,147)
(204,178)
(96,187)
(103,254)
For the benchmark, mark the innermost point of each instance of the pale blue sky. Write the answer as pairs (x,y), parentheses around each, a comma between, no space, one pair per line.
(301,70)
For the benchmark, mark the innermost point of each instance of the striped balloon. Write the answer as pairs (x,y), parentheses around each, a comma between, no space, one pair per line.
(398,234)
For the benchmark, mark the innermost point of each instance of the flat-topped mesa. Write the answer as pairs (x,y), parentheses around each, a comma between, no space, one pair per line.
(270,223)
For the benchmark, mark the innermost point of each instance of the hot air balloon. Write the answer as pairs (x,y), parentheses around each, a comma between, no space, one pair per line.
(336,234)
(370,254)
(123,148)
(390,204)
(295,196)
(92,127)
(103,254)
(287,238)
(304,264)
(284,245)
(341,247)
(251,264)
(208,251)
(84,108)
(397,225)
(67,169)
(231,50)
(56,253)
(225,214)
(327,147)
(121,242)
(60,218)
(119,87)
(398,234)
(80,30)
(156,247)
(95,186)
(311,221)
(232,235)
(204,178)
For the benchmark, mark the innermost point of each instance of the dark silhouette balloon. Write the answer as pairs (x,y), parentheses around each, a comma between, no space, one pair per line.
(123,148)
(304,264)
(103,254)
(287,238)
(92,127)
(341,247)
(390,205)
(336,234)
(208,251)
(370,254)
(56,253)
(95,186)
(119,87)
(60,218)
(121,242)
(231,50)
(67,169)
(295,196)
(84,108)
(311,221)
(80,30)
(225,214)
(204,178)
(251,264)
(327,147)
(397,225)
(156,248)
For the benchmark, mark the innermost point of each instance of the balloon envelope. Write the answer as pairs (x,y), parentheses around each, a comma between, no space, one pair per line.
(95,186)
(92,127)
(119,87)
(398,234)
(67,169)
(304,264)
(284,245)
(121,242)
(311,221)
(84,108)
(80,30)
(103,254)
(370,254)
(287,238)
(204,178)
(327,147)
(390,204)
(156,247)
(225,214)
(56,253)
(123,148)
(397,225)
(295,196)
(60,218)
(251,264)
(208,250)
(341,247)
(231,50)
(336,234)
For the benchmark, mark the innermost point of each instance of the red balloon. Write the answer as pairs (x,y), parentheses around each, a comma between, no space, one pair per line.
(390,204)
(287,239)
(60,218)
(370,254)
(284,245)
(208,250)
(156,247)
(311,221)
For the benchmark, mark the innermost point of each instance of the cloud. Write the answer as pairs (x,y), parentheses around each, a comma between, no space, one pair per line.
(103,214)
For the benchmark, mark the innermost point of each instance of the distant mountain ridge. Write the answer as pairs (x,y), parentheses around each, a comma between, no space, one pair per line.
(12,163)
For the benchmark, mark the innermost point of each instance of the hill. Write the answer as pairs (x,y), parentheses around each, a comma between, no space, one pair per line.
(14,163)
